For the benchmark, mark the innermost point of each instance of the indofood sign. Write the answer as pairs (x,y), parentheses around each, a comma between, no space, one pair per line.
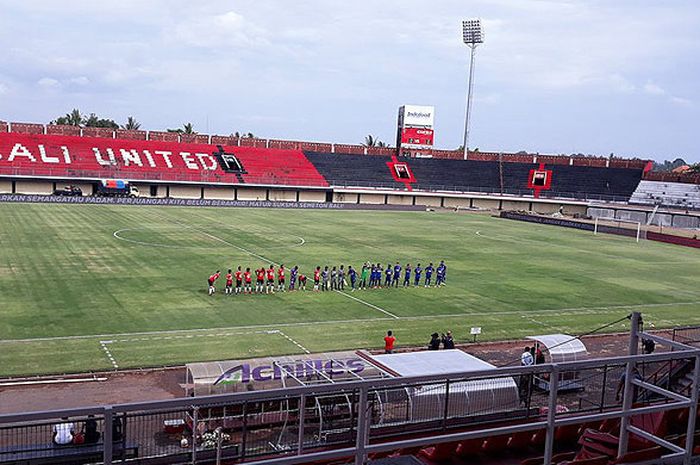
(416,115)
(247,373)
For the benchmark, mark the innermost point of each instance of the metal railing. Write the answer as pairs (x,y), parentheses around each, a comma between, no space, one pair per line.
(357,419)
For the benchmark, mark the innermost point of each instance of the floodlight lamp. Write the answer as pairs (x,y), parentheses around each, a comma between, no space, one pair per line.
(472,33)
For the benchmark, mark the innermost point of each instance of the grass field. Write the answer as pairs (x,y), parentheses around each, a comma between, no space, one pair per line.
(89,287)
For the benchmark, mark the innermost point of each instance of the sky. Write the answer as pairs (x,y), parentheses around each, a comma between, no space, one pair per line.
(553,76)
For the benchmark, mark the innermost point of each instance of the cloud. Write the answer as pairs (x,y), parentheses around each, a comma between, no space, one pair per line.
(219,31)
(656,90)
(79,80)
(48,83)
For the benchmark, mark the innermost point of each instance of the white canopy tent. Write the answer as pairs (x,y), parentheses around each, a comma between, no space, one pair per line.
(558,348)
(474,397)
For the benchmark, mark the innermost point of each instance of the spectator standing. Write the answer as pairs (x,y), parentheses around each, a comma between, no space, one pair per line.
(526,358)
(434,343)
(447,341)
(389,341)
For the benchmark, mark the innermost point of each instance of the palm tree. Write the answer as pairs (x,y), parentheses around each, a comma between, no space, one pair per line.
(131,124)
(74,118)
(188,129)
(371,141)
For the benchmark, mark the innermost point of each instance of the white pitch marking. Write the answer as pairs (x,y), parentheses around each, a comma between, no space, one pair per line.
(368,304)
(553,311)
(117,235)
(108,353)
(294,342)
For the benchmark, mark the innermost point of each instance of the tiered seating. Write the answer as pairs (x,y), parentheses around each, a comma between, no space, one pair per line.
(98,158)
(478,176)
(354,170)
(670,194)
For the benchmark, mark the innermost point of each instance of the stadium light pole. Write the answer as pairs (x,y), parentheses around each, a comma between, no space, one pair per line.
(472,36)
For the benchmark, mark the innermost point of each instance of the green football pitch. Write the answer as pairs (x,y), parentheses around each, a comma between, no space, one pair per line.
(92,287)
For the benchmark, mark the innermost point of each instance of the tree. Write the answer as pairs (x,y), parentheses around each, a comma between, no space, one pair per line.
(131,124)
(74,118)
(371,141)
(186,128)
(93,121)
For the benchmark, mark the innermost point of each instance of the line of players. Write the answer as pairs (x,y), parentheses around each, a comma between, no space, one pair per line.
(369,277)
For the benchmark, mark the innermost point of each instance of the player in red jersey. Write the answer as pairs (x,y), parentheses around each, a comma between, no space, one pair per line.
(317,277)
(280,278)
(212,279)
(229,283)
(270,280)
(248,281)
(260,283)
(239,280)
(302,282)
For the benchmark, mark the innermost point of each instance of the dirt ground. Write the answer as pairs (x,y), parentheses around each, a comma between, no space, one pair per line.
(144,385)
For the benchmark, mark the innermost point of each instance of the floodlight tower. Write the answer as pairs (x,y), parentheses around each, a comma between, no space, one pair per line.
(472,36)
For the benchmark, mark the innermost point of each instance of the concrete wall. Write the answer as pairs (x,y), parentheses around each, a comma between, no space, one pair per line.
(545,208)
(573,209)
(5,187)
(33,187)
(344,197)
(185,192)
(631,216)
(690,222)
(282,195)
(250,193)
(514,205)
(400,200)
(662,219)
(219,193)
(595,212)
(429,201)
(451,202)
(486,203)
(312,196)
(372,198)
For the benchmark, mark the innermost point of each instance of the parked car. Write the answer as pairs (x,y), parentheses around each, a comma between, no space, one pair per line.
(69,191)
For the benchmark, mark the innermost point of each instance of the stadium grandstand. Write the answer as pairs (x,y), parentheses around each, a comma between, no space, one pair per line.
(174,165)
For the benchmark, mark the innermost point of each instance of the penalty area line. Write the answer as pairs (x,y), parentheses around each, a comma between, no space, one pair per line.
(386,312)
(109,355)
(283,334)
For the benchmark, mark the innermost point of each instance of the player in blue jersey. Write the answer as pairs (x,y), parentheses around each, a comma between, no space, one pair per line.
(353,277)
(407,275)
(397,275)
(388,273)
(429,274)
(441,272)
(417,271)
